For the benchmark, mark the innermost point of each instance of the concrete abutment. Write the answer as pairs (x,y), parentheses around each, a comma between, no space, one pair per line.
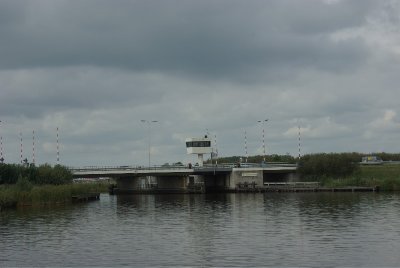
(228,180)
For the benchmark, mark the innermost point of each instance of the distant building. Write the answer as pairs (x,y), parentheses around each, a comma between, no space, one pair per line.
(371,160)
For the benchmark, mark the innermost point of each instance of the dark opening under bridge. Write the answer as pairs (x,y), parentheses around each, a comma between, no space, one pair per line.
(182,179)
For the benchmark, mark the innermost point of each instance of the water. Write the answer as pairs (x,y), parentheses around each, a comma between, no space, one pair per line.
(294,229)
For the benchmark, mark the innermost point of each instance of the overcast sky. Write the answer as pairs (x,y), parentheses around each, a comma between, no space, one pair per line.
(96,68)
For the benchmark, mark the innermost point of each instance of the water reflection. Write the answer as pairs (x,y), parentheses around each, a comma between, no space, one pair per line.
(294,229)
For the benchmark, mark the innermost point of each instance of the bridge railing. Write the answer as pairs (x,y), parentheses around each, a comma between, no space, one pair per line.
(127,168)
(250,165)
(179,167)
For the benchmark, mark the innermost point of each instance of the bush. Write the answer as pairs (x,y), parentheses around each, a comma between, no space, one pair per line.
(61,175)
(316,166)
(9,173)
(44,174)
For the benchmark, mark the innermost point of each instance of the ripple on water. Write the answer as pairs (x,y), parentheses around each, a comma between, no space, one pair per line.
(313,229)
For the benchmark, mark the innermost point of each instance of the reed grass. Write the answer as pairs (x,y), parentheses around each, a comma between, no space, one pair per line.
(14,195)
(8,196)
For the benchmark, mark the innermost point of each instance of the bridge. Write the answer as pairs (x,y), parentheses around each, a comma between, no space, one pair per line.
(185,179)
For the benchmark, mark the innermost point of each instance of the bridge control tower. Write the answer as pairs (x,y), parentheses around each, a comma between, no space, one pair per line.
(199,146)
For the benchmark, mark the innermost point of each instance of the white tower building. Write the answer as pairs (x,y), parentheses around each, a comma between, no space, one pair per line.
(199,146)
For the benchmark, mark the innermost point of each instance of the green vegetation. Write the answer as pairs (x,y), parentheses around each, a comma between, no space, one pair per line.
(29,185)
(44,174)
(387,177)
(317,166)
(24,193)
(340,170)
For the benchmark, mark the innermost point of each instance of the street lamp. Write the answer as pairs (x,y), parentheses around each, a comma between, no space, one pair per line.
(263,136)
(149,134)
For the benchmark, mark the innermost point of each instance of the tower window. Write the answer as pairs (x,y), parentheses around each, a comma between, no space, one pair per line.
(198,144)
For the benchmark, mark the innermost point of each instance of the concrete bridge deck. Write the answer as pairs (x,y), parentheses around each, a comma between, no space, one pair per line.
(182,179)
(138,171)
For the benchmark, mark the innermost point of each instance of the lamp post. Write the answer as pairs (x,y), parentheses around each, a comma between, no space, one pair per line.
(149,134)
(263,136)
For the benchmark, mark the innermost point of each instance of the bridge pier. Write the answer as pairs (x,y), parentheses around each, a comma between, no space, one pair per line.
(240,177)
(132,184)
(172,184)
(158,184)
(216,182)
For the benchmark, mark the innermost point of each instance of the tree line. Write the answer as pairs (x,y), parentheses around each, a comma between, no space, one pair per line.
(314,166)
(335,165)
(41,175)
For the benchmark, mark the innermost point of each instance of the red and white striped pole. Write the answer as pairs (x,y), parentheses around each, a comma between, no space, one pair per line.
(299,143)
(20,135)
(33,147)
(58,149)
(245,144)
(216,148)
(263,136)
(1,145)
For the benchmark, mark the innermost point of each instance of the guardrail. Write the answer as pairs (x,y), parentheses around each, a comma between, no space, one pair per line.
(252,165)
(180,167)
(127,168)
(305,184)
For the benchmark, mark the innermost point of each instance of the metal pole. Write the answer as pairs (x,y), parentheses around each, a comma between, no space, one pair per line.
(149,134)
(216,149)
(245,144)
(299,143)
(263,136)
(1,146)
(20,135)
(33,147)
(58,149)
(212,149)
(1,149)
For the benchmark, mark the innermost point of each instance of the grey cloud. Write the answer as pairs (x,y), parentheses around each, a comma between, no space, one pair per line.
(318,17)
(38,92)
(95,68)
(207,38)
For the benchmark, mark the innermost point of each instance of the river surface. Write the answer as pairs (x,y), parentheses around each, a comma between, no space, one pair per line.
(244,230)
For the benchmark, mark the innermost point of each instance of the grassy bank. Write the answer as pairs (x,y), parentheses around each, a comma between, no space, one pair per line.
(387,177)
(15,195)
